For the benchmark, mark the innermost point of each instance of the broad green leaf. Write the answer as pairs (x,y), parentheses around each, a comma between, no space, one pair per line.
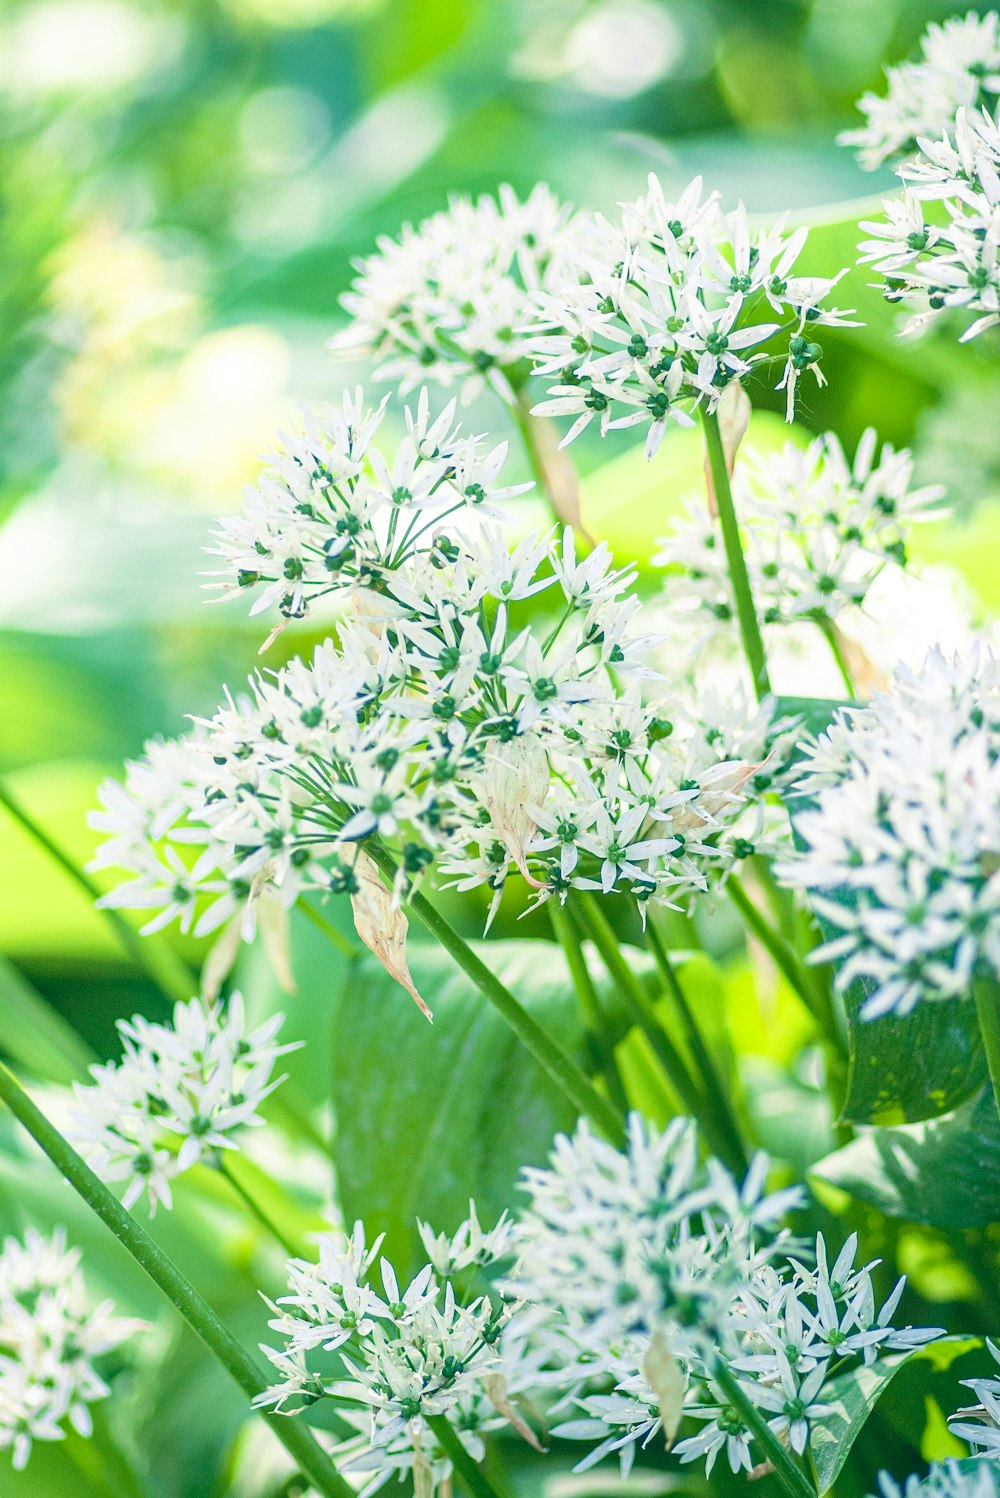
(903,1069)
(429,1115)
(944,1172)
(852,1397)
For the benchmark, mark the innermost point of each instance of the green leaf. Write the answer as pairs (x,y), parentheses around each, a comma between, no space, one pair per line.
(852,1397)
(944,1172)
(903,1069)
(429,1115)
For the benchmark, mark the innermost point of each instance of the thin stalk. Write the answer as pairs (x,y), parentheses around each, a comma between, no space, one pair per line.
(340,941)
(786,1469)
(294,1251)
(551,1057)
(746,612)
(524,420)
(787,963)
(986,994)
(644,1015)
(296,1438)
(167,971)
(473,1477)
(832,635)
(586,991)
(713,1082)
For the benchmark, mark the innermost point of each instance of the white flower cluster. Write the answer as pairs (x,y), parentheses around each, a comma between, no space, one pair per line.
(51,1343)
(439,721)
(664,313)
(393,1358)
(958,66)
(946,259)
(646,1254)
(979,1424)
(901,834)
(179,1094)
(332,515)
(448,301)
(817,530)
(948,1479)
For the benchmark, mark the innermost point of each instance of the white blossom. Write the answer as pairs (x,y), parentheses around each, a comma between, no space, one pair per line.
(901,839)
(52,1341)
(948,261)
(179,1093)
(662,312)
(958,67)
(817,531)
(447,302)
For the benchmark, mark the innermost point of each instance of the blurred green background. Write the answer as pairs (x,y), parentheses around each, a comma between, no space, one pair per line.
(182,189)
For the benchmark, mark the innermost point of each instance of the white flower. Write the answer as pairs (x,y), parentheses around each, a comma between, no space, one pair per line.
(979,1424)
(958,65)
(627,1252)
(939,267)
(661,313)
(949,1479)
(405,1353)
(51,1343)
(818,530)
(902,846)
(448,300)
(179,1093)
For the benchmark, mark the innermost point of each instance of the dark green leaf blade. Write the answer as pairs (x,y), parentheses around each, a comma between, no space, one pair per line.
(944,1172)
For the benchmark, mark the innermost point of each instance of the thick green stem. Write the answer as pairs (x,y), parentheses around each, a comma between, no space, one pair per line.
(551,1057)
(473,1477)
(586,991)
(746,612)
(297,1439)
(166,970)
(713,1083)
(986,994)
(644,1015)
(786,1469)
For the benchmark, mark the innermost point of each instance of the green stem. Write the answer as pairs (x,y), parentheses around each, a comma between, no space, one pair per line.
(713,1082)
(525,425)
(746,612)
(586,991)
(986,994)
(294,1251)
(166,970)
(830,631)
(473,1477)
(787,963)
(340,941)
(297,1439)
(644,1015)
(551,1057)
(786,1469)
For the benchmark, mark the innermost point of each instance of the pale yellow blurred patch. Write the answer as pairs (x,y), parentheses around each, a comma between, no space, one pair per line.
(147,389)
